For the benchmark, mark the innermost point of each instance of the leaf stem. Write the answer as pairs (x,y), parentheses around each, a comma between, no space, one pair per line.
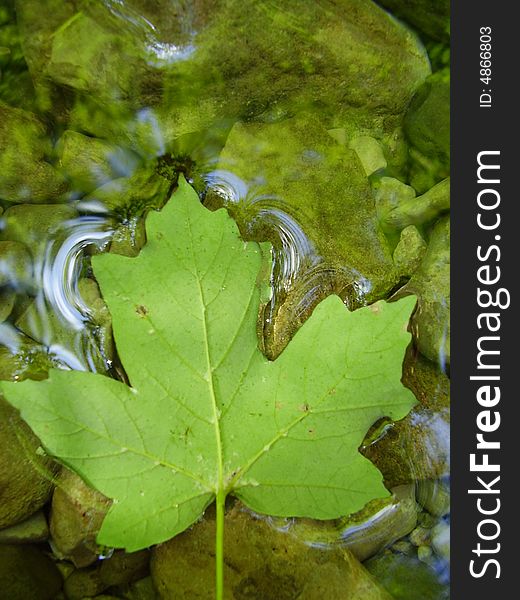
(219,545)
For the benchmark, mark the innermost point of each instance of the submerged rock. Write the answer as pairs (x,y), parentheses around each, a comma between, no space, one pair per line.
(406,577)
(260,562)
(26,474)
(90,162)
(76,516)
(23,142)
(16,268)
(380,523)
(409,252)
(27,573)
(431,17)
(417,447)
(317,210)
(118,570)
(34,225)
(431,283)
(427,126)
(434,495)
(32,530)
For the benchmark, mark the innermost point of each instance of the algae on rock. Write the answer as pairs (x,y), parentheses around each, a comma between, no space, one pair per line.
(261,562)
(317,210)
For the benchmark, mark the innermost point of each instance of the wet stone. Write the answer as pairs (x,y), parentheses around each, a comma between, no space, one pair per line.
(427,126)
(431,17)
(33,529)
(409,251)
(318,211)
(380,523)
(370,153)
(23,141)
(90,163)
(118,570)
(417,447)
(260,562)
(27,573)
(434,495)
(25,475)
(440,540)
(431,283)
(76,515)
(406,577)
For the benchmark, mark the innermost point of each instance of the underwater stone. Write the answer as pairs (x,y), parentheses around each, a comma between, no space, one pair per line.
(370,153)
(406,577)
(353,55)
(7,300)
(431,17)
(427,126)
(440,538)
(25,474)
(129,197)
(76,516)
(16,268)
(434,496)
(118,570)
(27,573)
(23,142)
(380,523)
(409,251)
(431,283)
(34,225)
(260,562)
(34,529)
(417,447)
(318,211)
(418,211)
(90,162)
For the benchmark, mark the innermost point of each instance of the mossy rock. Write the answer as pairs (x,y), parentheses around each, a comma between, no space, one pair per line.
(23,141)
(318,211)
(427,126)
(25,474)
(26,573)
(430,17)
(407,578)
(417,447)
(261,562)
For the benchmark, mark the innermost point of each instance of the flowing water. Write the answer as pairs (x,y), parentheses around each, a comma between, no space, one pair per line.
(291,115)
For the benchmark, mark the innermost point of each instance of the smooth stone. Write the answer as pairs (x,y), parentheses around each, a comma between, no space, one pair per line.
(440,537)
(77,512)
(27,573)
(16,269)
(370,153)
(260,562)
(418,446)
(92,162)
(318,212)
(26,474)
(434,496)
(23,141)
(406,577)
(427,127)
(33,529)
(34,225)
(420,211)
(409,251)
(380,523)
(430,323)
(118,570)
(431,17)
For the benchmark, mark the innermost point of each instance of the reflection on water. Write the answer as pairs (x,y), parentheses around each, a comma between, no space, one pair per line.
(290,115)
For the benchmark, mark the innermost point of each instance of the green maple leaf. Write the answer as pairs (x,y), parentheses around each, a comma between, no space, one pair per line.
(207,414)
